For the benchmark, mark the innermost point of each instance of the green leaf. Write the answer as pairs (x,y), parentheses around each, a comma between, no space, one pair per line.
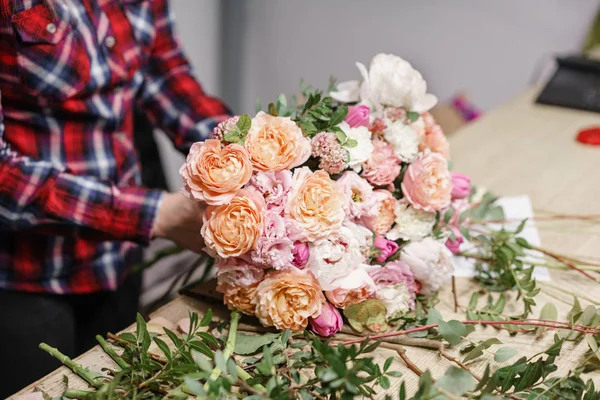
(504,354)
(456,381)
(244,123)
(338,115)
(384,381)
(474,300)
(206,318)
(194,386)
(388,364)
(548,312)
(351,143)
(233,137)
(434,316)
(452,331)
(272,110)
(593,345)
(521,226)
(341,136)
(250,344)
(163,347)
(201,361)
(176,341)
(412,116)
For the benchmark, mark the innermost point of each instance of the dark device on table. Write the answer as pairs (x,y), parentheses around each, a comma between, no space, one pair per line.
(575,84)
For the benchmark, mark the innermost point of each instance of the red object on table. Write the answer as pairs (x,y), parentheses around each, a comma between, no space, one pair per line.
(589,136)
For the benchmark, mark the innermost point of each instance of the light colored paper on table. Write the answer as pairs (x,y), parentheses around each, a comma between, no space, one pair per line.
(516,208)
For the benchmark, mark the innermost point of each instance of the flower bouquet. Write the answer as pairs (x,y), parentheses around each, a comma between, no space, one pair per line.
(337,202)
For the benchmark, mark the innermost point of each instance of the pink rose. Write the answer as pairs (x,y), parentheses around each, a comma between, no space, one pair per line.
(434,138)
(383,219)
(461,186)
(328,323)
(384,165)
(237,272)
(353,288)
(301,253)
(454,245)
(358,116)
(274,247)
(274,186)
(394,273)
(359,195)
(427,184)
(387,248)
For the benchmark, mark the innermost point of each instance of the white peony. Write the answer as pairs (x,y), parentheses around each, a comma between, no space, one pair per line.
(396,299)
(411,224)
(333,259)
(364,147)
(430,262)
(403,138)
(390,81)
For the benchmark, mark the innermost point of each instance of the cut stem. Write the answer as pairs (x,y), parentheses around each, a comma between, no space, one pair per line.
(111,352)
(77,394)
(80,371)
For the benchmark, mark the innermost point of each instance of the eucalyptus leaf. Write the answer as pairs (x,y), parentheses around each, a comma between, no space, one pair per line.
(250,344)
(504,354)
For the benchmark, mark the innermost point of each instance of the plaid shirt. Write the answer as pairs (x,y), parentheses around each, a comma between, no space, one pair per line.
(71,209)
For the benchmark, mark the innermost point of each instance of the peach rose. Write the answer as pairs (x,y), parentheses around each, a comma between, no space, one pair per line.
(434,138)
(287,299)
(214,174)
(233,229)
(240,298)
(382,221)
(315,203)
(276,143)
(427,184)
(342,298)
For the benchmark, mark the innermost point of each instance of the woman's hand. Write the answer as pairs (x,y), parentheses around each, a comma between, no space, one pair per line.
(179,219)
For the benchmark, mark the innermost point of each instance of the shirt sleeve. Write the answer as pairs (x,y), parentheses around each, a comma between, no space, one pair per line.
(44,197)
(171,97)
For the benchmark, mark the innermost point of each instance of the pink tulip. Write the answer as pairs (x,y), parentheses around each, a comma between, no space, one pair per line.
(358,116)
(461,186)
(454,245)
(387,248)
(300,253)
(328,323)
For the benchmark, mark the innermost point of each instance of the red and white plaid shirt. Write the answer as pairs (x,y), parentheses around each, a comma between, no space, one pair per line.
(71,208)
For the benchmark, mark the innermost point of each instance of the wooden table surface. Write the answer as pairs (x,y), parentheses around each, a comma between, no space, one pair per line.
(518,148)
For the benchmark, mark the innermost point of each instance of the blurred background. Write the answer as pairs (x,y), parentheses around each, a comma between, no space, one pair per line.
(491,51)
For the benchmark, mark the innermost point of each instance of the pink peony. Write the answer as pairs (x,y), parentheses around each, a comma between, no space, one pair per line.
(461,186)
(237,272)
(387,248)
(383,219)
(358,116)
(430,262)
(434,138)
(300,254)
(394,273)
(328,323)
(333,157)
(274,247)
(274,186)
(224,127)
(427,184)
(454,245)
(359,195)
(384,165)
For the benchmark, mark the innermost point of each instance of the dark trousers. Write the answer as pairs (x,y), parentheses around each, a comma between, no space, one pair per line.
(67,322)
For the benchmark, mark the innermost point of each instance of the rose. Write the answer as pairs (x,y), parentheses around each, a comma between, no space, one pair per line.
(237,272)
(357,116)
(241,298)
(354,288)
(274,186)
(393,273)
(301,253)
(427,185)
(287,299)
(233,229)
(384,165)
(454,244)
(403,139)
(383,219)
(430,262)
(214,174)
(358,194)
(328,323)
(358,145)
(434,138)
(387,248)
(461,186)
(315,203)
(410,223)
(274,247)
(276,143)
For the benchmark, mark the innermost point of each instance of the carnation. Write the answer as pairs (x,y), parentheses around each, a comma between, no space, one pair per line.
(333,158)
(359,195)
(274,186)
(403,139)
(430,262)
(237,272)
(363,147)
(396,300)
(394,273)
(274,247)
(223,127)
(434,138)
(384,165)
(410,223)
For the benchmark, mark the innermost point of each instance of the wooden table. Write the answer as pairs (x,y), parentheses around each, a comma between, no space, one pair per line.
(518,148)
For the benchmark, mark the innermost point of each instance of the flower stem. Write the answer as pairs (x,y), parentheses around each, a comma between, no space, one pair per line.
(111,352)
(80,371)
(77,394)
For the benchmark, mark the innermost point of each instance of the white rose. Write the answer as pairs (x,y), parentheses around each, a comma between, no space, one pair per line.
(411,224)
(430,262)
(347,92)
(364,147)
(395,298)
(403,138)
(333,259)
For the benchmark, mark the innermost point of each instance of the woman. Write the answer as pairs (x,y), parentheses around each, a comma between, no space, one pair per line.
(71,212)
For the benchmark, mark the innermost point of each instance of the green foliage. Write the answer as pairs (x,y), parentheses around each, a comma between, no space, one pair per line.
(239,133)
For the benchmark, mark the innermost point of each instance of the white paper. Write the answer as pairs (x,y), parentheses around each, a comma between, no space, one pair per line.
(516,208)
